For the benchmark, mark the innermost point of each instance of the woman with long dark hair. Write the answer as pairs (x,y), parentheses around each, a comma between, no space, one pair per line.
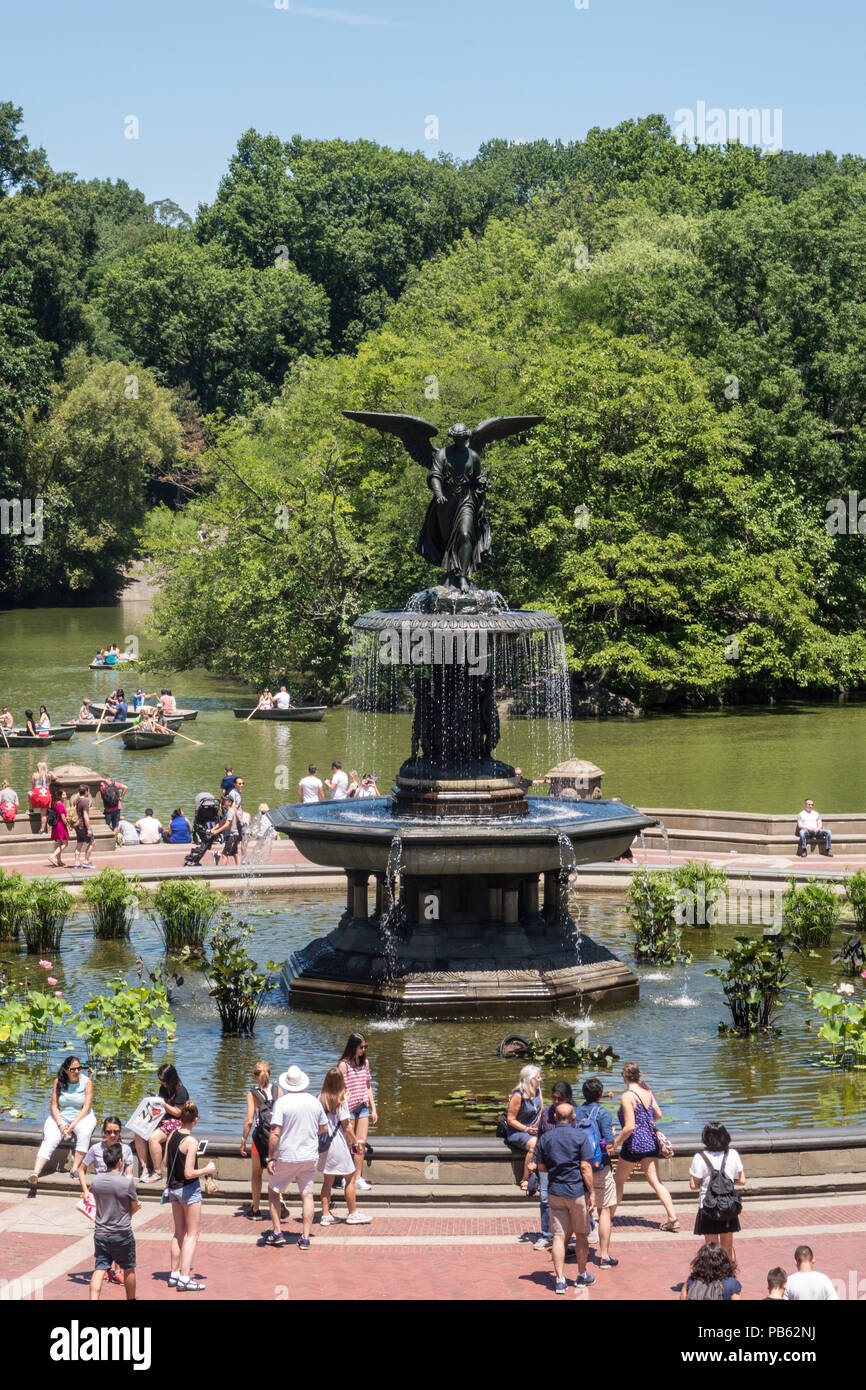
(638,1112)
(359,1094)
(712,1277)
(71,1113)
(173,1092)
(59,822)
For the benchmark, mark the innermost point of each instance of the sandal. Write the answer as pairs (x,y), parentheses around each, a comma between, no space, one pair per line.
(670,1226)
(189,1285)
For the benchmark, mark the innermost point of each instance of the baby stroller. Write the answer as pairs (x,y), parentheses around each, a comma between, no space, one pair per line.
(207,816)
(196,854)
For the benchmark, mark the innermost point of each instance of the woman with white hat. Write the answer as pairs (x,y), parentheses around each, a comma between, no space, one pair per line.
(297,1120)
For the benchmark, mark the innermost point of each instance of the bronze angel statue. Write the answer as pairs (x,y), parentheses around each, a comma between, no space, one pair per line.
(456,533)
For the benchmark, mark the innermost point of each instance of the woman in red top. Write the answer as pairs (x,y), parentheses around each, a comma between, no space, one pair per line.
(361,1101)
(59,830)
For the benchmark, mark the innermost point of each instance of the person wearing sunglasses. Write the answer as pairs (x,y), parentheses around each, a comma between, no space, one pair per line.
(95,1156)
(95,1159)
(71,1113)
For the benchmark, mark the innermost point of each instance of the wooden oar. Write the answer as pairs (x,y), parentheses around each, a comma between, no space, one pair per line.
(252,712)
(108,736)
(3,732)
(196,741)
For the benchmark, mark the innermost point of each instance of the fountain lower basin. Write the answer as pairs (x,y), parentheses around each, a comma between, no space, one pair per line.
(470,914)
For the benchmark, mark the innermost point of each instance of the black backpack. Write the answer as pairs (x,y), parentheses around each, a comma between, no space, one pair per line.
(52,817)
(721,1202)
(265,1106)
(110,796)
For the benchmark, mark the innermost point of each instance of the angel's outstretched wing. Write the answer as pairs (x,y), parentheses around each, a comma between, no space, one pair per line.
(413,432)
(499,427)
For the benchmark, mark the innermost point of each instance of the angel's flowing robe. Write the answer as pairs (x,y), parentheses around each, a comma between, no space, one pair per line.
(463,517)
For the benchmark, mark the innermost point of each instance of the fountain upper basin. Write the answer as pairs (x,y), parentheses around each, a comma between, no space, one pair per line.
(354,835)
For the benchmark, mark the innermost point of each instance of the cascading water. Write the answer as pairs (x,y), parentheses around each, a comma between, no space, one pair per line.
(391,920)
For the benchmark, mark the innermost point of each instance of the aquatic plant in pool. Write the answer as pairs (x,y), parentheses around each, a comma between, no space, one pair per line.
(810,913)
(855,898)
(13,905)
(652,907)
(183,910)
(112,899)
(844,1026)
(236,984)
(46,908)
(30,1019)
(121,1029)
(752,984)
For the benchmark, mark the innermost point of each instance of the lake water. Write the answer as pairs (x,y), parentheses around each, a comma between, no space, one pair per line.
(740,759)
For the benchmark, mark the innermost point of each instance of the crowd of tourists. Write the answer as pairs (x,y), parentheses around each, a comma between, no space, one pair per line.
(568,1151)
(288,1133)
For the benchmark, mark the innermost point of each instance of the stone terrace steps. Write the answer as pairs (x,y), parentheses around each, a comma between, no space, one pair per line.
(233,1192)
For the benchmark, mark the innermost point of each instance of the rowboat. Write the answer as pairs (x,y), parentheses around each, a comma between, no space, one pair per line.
(306,713)
(14,739)
(179,714)
(59,734)
(145,738)
(112,665)
(114,726)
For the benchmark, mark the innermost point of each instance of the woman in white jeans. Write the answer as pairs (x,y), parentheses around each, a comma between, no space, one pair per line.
(71,1113)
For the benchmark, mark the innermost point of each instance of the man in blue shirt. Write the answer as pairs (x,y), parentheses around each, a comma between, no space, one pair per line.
(565,1154)
(604,1186)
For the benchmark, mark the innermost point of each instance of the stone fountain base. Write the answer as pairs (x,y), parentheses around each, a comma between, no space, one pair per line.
(525,967)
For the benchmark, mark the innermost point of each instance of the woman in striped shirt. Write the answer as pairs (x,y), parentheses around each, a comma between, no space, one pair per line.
(361,1101)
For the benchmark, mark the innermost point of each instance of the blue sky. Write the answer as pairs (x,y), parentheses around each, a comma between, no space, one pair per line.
(197,73)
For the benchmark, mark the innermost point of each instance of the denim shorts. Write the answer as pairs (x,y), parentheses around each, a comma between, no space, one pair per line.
(109,1249)
(187,1195)
(361,1112)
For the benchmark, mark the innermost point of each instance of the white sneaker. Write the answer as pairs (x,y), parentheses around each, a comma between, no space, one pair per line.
(358,1218)
(361,1185)
(327,1220)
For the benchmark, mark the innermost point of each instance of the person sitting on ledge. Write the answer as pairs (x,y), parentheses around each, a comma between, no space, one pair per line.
(809,828)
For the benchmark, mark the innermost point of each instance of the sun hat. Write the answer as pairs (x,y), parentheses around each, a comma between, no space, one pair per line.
(293,1079)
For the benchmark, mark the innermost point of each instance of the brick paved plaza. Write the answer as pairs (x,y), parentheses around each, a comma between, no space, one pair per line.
(418,1253)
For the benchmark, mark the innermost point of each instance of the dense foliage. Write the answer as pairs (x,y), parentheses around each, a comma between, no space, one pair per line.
(690,321)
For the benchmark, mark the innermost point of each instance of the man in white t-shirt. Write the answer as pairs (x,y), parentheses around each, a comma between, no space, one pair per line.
(297,1120)
(807,1285)
(149,828)
(809,824)
(310,788)
(282,699)
(337,783)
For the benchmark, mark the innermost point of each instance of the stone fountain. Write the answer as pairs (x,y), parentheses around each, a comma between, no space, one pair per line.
(470,875)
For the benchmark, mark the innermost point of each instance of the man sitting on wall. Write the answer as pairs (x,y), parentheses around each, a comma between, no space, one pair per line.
(809,828)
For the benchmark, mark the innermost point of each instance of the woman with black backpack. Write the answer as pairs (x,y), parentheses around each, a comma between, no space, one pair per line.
(716,1171)
(260,1102)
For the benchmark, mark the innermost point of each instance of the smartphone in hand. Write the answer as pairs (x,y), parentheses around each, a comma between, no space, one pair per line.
(202,1145)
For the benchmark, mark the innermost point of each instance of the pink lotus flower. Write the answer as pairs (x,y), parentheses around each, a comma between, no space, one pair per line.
(46,964)
(58,994)
(863,974)
(844,989)
(51,980)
